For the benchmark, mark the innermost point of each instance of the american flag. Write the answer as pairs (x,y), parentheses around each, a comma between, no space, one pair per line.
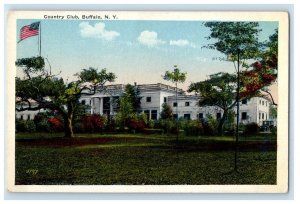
(29,30)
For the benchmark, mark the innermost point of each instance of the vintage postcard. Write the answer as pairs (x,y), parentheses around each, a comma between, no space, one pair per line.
(162,102)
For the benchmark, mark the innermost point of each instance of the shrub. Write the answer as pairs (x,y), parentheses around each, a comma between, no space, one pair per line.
(93,123)
(251,128)
(151,123)
(111,124)
(136,124)
(41,122)
(55,124)
(274,130)
(194,128)
(210,126)
(182,123)
(25,126)
(168,125)
(78,127)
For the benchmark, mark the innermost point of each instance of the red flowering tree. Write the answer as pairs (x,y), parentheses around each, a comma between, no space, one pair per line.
(262,73)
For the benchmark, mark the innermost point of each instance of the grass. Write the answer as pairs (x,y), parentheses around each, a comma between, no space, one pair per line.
(93,159)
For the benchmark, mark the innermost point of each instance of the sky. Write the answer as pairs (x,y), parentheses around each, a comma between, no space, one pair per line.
(136,51)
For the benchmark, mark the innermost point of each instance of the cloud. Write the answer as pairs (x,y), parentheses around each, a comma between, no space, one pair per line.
(149,38)
(97,31)
(181,43)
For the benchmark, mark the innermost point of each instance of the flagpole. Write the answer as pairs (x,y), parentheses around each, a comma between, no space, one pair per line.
(40,38)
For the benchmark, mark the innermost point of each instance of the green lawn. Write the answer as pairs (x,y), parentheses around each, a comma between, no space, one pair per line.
(142,159)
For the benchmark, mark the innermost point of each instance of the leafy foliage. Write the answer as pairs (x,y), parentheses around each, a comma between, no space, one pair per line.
(193,128)
(263,72)
(40,90)
(93,123)
(218,90)
(251,128)
(175,76)
(167,112)
(132,93)
(56,124)
(125,110)
(25,126)
(235,38)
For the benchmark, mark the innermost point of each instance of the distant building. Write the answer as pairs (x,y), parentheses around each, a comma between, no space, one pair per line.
(154,95)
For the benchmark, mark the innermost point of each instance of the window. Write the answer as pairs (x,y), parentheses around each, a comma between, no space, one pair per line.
(244,115)
(83,102)
(259,116)
(148,99)
(106,105)
(21,117)
(187,116)
(263,103)
(244,101)
(28,117)
(200,116)
(147,112)
(263,116)
(90,102)
(174,104)
(175,116)
(218,116)
(154,114)
(165,99)
(187,103)
(259,101)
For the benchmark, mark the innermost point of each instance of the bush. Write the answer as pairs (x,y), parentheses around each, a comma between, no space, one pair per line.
(25,126)
(136,124)
(251,128)
(111,124)
(274,130)
(41,122)
(210,127)
(168,125)
(151,123)
(193,128)
(55,124)
(78,127)
(93,123)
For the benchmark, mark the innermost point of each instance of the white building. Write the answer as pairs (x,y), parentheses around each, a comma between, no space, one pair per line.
(154,95)
(254,110)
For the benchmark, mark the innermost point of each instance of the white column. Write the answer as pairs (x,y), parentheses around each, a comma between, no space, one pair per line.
(110,105)
(92,105)
(101,105)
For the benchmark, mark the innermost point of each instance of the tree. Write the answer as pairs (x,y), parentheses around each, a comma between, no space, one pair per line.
(239,42)
(132,92)
(262,73)
(39,89)
(218,90)
(167,112)
(125,111)
(175,77)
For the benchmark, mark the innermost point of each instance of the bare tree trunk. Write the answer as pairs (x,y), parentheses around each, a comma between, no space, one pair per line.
(68,126)
(68,119)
